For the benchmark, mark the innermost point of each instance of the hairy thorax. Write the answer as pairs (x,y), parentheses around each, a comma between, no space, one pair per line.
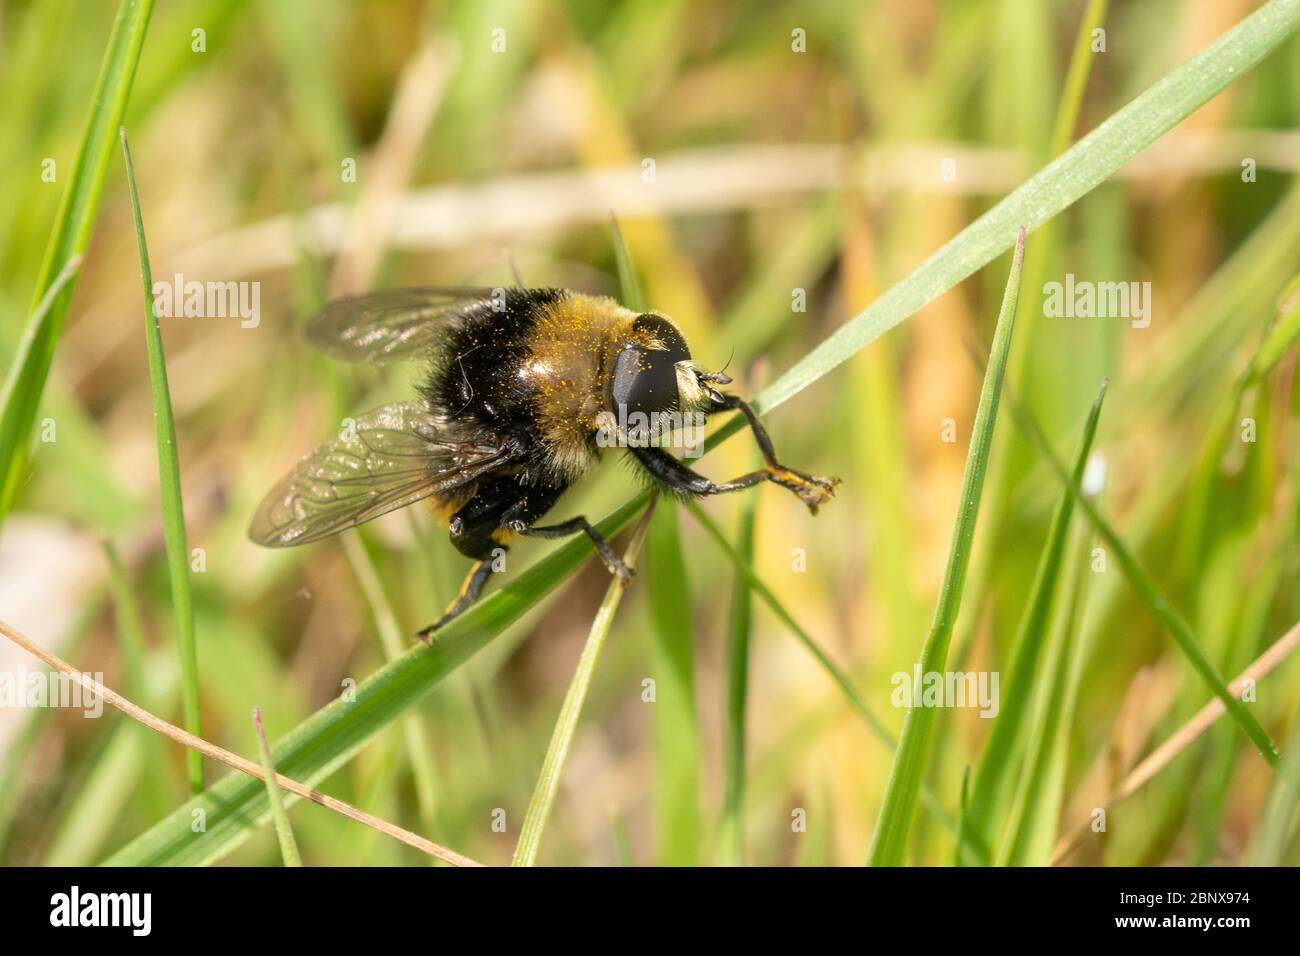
(566,373)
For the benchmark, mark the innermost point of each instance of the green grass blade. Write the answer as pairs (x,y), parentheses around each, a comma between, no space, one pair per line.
(235,806)
(1076,79)
(894,824)
(10,399)
(1067,118)
(30,367)
(1035,805)
(731,839)
(678,824)
(557,751)
(1153,598)
(628,282)
(100,800)
(169,484)
(1009,729)
(1055,187)
(280,816)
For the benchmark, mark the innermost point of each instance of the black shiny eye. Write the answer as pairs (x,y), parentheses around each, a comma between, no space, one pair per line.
(645,380)
(645,374)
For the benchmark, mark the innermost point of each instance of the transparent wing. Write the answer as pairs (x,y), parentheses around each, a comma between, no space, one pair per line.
(390,324)
(385,459)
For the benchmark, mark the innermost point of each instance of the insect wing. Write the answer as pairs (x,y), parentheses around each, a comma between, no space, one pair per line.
(386,459)
(390,324)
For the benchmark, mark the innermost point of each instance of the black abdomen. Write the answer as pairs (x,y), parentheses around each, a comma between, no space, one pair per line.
(476,371)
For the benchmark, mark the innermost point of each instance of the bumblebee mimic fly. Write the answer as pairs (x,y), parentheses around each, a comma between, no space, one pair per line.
(519,384)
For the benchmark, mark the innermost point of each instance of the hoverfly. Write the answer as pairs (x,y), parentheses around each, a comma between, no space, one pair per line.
(518,385)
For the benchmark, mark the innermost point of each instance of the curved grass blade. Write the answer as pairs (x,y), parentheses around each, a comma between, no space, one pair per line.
(894,824)
(169,489)
(283,832)
(30,366)
(169,486)
(235,806)
(1076,79)
(557,751)
(12,397)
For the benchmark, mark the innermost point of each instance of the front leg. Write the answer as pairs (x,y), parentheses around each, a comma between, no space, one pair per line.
(812,490)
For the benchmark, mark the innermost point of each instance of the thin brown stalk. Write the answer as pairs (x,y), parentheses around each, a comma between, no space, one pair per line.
(233,759)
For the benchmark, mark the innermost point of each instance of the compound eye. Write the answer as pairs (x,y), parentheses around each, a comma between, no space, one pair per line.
(645,380)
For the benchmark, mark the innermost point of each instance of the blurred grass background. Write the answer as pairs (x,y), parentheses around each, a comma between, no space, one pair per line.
(774,171)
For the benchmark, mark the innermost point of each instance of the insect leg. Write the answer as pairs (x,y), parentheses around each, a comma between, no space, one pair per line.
(469,592)
(580,525)
(812,490)
(474,532)
(765,445)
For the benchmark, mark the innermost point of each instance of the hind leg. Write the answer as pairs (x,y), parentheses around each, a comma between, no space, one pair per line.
(474,533)
(469,592)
